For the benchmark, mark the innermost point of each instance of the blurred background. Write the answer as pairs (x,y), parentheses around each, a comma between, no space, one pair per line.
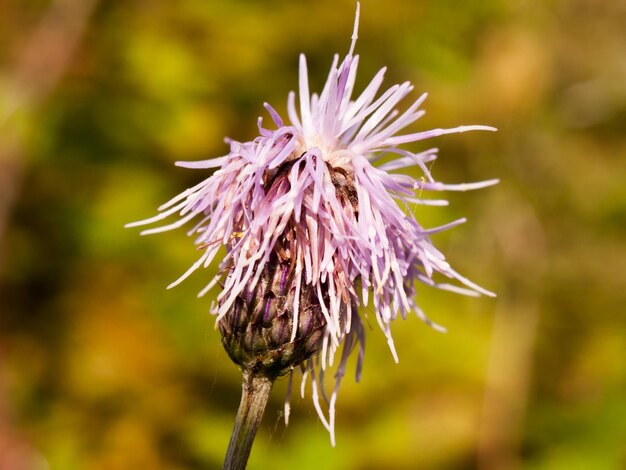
(101,367)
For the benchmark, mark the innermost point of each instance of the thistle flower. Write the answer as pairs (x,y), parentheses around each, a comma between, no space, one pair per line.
(315,229)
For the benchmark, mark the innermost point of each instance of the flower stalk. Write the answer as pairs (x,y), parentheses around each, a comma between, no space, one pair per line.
(255,392)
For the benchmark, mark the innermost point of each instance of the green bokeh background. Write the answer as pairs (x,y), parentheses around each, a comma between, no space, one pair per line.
(102,368)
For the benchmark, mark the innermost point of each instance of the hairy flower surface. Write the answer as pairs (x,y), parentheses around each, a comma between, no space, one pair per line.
(308,197)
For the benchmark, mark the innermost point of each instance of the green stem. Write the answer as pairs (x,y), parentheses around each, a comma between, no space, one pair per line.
(255,391)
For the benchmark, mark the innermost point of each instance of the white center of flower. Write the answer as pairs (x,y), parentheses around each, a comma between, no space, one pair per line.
(336,157)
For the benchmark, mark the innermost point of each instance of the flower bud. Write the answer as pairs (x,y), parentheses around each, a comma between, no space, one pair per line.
(257,332)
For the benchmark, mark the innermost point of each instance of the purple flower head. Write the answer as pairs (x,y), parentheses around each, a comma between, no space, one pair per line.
(309,193)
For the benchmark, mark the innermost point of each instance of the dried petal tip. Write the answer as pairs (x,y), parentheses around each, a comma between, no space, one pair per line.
(258,331)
